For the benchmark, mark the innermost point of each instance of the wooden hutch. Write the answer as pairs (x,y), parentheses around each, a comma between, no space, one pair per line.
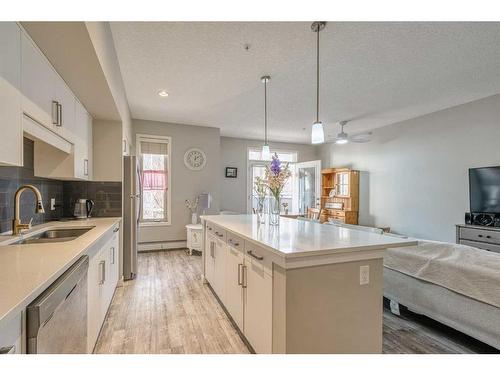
(340,195)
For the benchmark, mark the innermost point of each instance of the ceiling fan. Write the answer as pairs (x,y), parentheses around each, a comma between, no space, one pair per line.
(343,138)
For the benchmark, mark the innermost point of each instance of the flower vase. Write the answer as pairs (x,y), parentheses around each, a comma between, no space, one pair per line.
(260,210)
(274,211)
(194,218)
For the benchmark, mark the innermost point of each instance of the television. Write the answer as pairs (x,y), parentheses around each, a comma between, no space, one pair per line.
(484,190)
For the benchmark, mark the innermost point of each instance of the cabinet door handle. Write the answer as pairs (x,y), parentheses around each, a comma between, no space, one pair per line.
(59,114)
(116,229)
(112,261)
(102,272)
(244,279)
(240,266)
(258,257)
(212,250)
(8,349)
(55,113)
(86,167)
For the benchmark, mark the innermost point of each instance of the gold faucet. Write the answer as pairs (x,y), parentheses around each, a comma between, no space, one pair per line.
(17,226)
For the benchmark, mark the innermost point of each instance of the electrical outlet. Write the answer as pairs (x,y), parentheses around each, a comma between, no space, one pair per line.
(52,204)
(364,275)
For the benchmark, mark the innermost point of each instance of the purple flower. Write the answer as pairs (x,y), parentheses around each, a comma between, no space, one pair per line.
(276,165)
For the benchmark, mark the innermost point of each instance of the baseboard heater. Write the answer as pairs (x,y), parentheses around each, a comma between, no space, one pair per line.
(168,245)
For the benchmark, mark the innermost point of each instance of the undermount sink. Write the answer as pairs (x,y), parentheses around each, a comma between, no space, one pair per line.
(54,235)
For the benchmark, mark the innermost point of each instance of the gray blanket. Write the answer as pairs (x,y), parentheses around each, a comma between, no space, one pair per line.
(463,269)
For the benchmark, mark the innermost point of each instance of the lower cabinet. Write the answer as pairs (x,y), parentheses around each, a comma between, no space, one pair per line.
(219,283)
(103,275)
(258,306)
(243,282)
(10,335)
(234,285)
(209,252)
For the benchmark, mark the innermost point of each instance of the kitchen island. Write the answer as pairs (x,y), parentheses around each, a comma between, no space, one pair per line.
(302,287)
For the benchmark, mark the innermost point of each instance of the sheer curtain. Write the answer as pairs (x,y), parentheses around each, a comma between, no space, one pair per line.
(154,174)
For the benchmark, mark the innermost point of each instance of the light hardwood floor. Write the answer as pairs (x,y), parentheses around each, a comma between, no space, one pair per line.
(167,309)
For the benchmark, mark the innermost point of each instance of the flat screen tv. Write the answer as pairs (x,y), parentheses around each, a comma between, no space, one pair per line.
(484,190)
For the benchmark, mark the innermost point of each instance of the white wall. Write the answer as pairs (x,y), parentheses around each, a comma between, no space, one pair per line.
(414,175)
(102,40)
(186,184)
(234,154)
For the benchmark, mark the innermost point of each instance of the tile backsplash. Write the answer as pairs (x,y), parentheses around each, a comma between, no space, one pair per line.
(106,195)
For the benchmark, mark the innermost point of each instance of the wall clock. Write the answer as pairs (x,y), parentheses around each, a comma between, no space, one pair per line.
(195,159)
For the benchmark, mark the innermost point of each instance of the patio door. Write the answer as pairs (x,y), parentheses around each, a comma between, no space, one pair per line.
(308,180)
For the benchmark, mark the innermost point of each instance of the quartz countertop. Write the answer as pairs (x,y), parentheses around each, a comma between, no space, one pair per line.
(26,270)
(300,238)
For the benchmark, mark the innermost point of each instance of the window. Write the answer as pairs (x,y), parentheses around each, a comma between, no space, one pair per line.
(154,159)
(257,167)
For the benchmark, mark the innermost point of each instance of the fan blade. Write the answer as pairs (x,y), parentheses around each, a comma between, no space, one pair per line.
(361,138)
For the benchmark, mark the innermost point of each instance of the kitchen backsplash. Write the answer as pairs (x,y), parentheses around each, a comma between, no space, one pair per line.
(106,195)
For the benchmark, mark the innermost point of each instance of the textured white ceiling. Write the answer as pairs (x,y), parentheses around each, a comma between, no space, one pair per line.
(372,73)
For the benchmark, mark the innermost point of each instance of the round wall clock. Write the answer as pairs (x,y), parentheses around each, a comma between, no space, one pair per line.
(195,159)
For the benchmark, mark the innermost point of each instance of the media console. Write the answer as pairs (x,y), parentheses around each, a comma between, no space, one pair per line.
(482,237)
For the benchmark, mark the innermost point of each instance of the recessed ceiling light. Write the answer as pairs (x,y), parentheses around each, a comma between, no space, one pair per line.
(163,93)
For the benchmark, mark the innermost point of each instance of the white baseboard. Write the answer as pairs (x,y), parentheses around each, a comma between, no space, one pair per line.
(151,246)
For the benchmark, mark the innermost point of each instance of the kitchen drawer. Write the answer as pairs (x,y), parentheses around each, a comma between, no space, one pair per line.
(220,233)
(481,245)
(210,227)
(235,241)
(482,235)
(259,256)
(337,213)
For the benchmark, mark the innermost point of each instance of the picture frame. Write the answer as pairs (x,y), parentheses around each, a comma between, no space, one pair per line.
(231,172)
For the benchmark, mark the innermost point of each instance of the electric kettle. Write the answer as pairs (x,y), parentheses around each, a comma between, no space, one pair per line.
(83,208)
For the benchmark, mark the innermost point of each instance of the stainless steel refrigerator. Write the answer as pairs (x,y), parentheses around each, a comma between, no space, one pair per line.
(131,214)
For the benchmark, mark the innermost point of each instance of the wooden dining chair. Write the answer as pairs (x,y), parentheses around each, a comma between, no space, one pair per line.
(313,213)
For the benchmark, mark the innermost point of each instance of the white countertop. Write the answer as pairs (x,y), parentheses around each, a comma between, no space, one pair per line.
(299,238)
(27,270)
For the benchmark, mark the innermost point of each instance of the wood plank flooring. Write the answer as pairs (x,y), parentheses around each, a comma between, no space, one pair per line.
(167,309)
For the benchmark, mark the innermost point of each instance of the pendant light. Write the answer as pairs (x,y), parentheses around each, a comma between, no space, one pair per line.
(266,153)
(317,131)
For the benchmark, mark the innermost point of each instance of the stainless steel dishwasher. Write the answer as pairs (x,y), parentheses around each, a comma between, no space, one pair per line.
(57,318)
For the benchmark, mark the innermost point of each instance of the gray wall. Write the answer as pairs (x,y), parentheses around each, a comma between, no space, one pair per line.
(186,184)
(414,175)
(234,154)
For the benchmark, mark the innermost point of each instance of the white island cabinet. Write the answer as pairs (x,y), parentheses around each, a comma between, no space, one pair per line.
(302,287)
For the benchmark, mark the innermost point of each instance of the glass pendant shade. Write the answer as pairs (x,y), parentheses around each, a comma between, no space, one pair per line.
(266,152)
(317,134)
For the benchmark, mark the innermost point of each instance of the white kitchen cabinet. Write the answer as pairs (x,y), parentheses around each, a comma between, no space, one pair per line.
(234,284)
(67,125)
(103,275)
(82,136)
(258,305)
(210,248)
(38,85)
(11,150)
(219,283)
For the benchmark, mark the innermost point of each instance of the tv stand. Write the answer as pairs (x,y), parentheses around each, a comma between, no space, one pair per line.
(486,238)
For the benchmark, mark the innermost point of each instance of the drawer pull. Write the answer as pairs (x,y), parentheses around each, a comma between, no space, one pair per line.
(240,266)
(116,229)
(488,236)
(480,235)
(8,350)
(258,257)
(233,243)
(218,234)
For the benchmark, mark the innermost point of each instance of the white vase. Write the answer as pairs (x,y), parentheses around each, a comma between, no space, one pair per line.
(194,218)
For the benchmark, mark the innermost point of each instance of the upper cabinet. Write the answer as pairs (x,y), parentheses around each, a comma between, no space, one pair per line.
(11,150)
(55,118)
(39,82)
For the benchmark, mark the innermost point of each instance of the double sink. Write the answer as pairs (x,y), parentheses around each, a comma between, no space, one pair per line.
(54,235)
